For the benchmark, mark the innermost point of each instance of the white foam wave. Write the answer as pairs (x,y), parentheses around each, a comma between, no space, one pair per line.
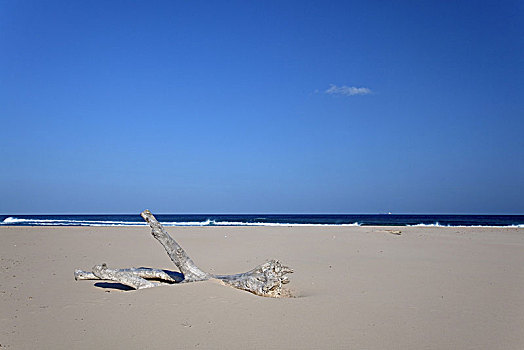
(100,223)
(465,226)
(239,223)
(63,222)
(426,225)
(10,220)
(188,223)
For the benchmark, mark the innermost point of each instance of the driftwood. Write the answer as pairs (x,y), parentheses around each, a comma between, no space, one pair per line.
(264,280)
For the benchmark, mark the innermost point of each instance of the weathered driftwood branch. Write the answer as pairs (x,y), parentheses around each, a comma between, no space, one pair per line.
(144,272)
(184,263)
(123,277)
(265,280)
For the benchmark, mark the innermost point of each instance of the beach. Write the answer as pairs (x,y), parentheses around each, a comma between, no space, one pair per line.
(354,288)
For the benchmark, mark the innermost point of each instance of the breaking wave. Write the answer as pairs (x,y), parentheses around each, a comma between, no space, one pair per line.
(63,222)
(269,220)
(436,224)
(239,223)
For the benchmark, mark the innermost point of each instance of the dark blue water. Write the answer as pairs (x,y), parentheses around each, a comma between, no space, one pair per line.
(266,220)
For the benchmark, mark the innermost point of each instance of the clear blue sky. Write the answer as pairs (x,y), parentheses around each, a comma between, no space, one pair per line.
(268,106)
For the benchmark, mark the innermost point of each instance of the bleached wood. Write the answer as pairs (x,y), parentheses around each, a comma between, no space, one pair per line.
(123,277)
(144,272)
(179,257)
(265,280)
(84,275)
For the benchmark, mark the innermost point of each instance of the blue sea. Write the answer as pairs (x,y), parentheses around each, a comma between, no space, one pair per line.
(268,220)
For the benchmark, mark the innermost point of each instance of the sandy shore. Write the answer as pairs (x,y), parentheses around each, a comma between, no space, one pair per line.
(356,287)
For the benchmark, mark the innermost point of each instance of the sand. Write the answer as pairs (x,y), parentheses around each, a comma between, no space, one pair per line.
(355,287)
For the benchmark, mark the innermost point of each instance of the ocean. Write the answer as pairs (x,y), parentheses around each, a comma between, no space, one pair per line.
(268,220)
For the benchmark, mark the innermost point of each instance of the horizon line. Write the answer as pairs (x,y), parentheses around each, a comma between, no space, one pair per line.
(266,213)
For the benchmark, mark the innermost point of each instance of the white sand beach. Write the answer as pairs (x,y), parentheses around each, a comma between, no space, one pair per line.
(355,288)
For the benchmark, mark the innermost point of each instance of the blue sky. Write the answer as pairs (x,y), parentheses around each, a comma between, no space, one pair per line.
(262,107)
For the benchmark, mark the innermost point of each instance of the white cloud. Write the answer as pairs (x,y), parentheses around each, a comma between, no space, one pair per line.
(347,90)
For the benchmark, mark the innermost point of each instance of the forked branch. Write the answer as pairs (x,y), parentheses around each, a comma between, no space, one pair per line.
(266,279)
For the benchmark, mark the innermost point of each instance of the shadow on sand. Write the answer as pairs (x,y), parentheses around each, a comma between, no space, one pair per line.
(112,285)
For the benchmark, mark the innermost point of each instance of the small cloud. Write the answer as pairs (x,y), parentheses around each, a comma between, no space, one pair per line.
(347,90)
